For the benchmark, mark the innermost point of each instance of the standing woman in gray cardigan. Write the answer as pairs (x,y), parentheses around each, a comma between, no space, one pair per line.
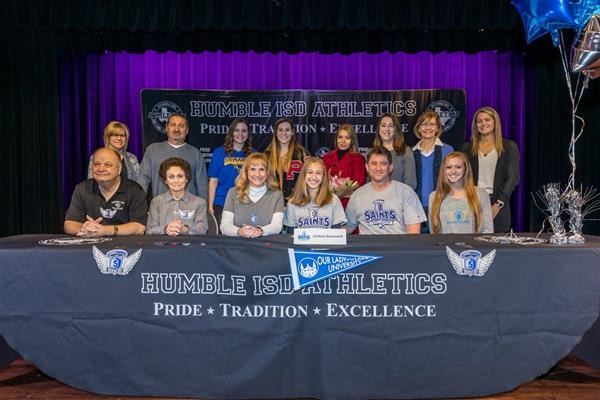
(495,163)
(390,136)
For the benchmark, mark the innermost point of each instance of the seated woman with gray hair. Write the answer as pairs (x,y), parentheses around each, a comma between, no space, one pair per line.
(176,212)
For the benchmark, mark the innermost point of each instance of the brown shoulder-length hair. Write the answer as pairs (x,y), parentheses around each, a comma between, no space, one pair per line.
(301,196)
(443,189)
(399,143)
(229,138)
(111,128)
(279,166)
(348,127)
(242,184)
(476,136)
(425,116)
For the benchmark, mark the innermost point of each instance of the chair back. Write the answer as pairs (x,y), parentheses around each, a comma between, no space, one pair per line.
(213,226)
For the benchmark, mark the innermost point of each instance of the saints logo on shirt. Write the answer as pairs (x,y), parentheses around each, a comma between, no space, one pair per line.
(314,220)
(379,216)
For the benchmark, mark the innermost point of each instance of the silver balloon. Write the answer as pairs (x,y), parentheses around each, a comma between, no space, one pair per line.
(585,54)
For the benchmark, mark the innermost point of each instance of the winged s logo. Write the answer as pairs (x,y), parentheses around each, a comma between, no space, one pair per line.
(115,262)
(470,262)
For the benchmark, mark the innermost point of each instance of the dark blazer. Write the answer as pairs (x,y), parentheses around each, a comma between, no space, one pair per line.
(506,178)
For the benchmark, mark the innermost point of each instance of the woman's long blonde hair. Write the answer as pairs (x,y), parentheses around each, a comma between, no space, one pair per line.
(443,188)
(476,136)
(242,184)
(279,165)
(301,196)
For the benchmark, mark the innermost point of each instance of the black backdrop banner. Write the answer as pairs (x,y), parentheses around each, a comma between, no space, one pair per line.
(317,114)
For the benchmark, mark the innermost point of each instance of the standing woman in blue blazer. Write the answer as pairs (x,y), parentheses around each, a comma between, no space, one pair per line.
(495,163)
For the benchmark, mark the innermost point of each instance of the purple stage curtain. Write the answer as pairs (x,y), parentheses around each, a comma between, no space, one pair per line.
(98,88)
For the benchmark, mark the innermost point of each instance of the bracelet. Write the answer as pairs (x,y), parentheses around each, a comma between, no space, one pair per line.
(261,230)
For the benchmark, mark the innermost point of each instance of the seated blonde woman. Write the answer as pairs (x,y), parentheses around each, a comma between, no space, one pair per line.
(313,205)
(254,206)
(456,205)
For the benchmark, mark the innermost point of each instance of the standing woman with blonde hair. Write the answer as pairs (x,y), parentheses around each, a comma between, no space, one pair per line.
(456,205)
(313,205)
(116,137)
(254,206)
(389,135)
(495,163)
(286,156)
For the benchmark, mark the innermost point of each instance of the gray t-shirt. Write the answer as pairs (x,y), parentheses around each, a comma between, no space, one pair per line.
(456,215)
(255,214)
(385,212)
(312,216)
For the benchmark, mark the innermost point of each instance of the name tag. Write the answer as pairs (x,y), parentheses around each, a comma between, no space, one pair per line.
(319,236)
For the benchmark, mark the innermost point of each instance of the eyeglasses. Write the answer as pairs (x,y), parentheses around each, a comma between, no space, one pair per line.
(118,135)
(429,124)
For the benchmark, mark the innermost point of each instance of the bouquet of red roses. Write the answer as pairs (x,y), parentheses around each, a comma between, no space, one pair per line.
(342,187)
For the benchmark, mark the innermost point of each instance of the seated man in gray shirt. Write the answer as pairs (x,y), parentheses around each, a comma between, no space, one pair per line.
(107,204)
(383,205)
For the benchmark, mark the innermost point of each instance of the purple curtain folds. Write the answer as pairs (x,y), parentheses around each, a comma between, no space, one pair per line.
(98,88)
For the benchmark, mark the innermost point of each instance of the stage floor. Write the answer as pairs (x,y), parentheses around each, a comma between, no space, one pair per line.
(570,379)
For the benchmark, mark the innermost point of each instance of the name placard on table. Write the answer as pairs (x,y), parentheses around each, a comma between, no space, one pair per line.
(313,236)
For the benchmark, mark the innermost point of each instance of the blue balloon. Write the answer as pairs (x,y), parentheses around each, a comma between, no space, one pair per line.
(541,16)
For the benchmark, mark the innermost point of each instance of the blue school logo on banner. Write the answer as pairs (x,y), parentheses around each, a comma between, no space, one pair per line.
(470,262)
(116,261)
(308,267)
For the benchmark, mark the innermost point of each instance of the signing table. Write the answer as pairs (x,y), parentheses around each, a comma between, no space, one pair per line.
(217,317)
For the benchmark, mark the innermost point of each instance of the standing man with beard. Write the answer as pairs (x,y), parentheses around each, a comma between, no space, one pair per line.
(177,129)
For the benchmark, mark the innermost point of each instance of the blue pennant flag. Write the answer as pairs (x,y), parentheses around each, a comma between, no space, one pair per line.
(309,267)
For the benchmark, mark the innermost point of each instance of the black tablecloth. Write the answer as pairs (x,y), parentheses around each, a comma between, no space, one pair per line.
(216,317)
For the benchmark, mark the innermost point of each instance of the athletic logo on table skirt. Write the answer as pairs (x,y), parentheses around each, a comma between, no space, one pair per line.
(308,267)
(470,262)
(115,262)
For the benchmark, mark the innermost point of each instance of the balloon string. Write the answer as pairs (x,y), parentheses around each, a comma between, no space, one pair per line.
(575,96)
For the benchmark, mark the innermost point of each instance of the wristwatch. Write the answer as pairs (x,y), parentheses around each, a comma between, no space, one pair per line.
(115,230)
(499,203)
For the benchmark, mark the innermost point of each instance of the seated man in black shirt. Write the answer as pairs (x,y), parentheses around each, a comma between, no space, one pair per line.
(106,205)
